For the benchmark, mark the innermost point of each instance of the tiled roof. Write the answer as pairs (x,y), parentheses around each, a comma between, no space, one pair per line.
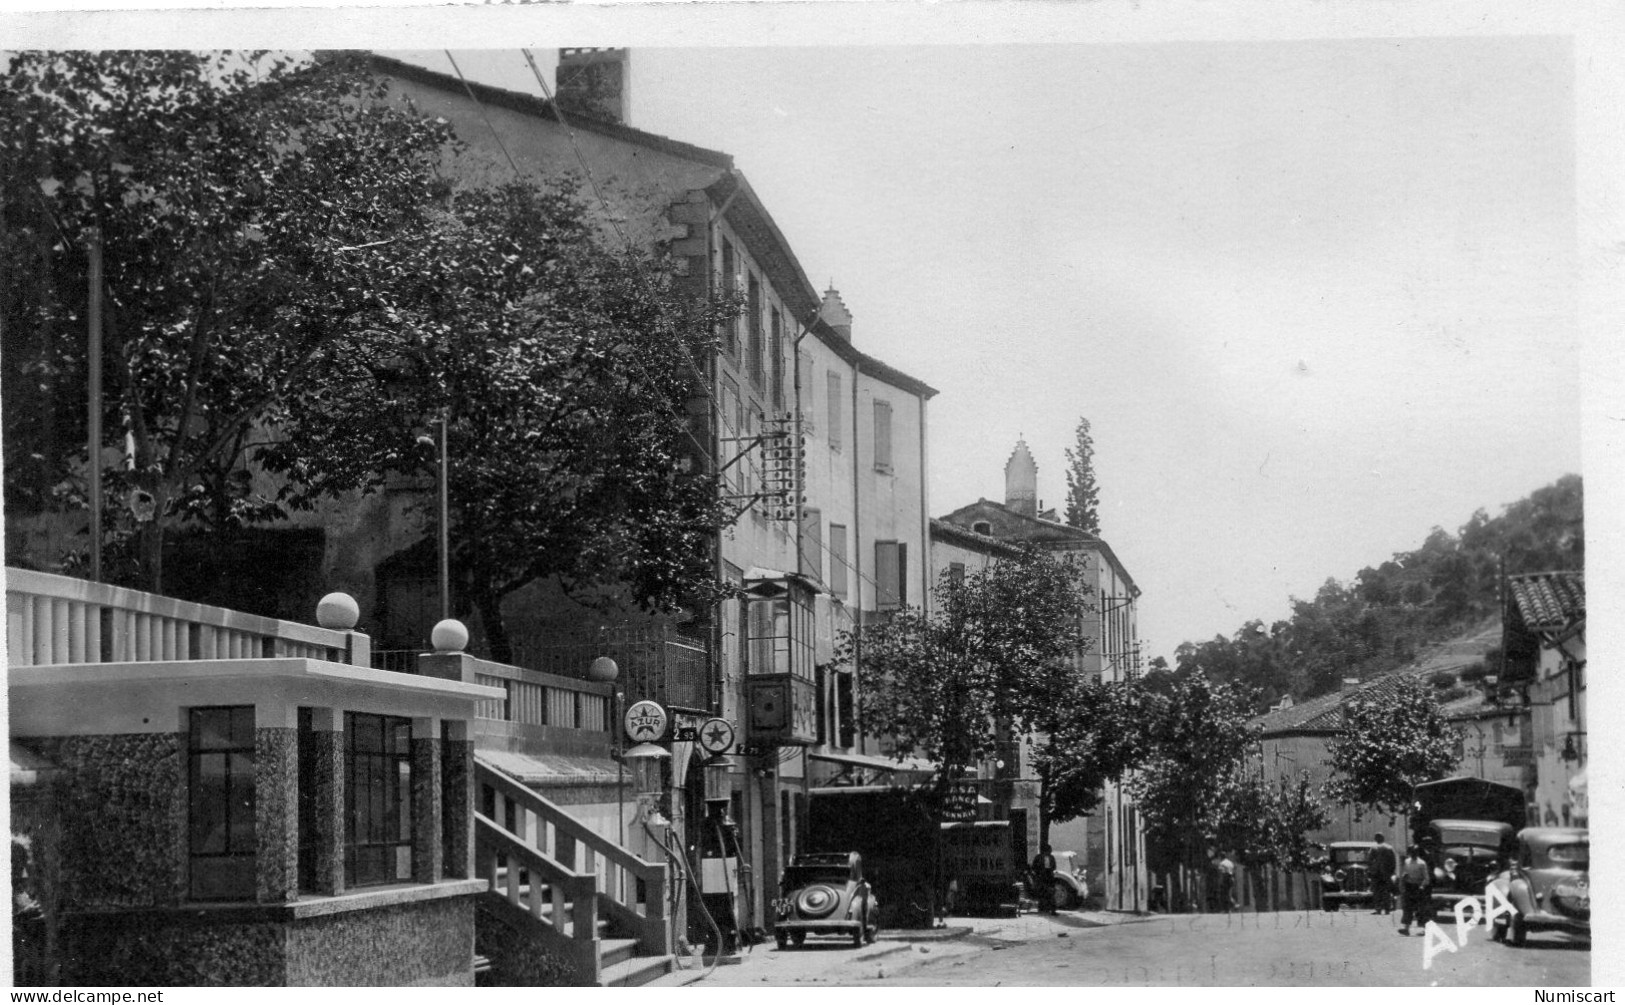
(1548,601)
(971,539)
(1325,713)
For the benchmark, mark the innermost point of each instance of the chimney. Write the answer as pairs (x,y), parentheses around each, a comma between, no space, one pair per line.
(595,82)
(1021,481)
(833,312)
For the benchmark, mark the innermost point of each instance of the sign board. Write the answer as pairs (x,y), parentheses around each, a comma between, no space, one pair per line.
(959,803)
(716,736)
(645,722)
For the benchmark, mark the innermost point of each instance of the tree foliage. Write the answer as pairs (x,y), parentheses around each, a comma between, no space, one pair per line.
(1096,733)
(997,653)
(1082,494)
(1384,617)
(564,367)
(246,207)
(1393,738)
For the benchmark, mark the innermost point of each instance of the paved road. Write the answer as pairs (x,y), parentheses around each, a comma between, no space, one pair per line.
(1280,949)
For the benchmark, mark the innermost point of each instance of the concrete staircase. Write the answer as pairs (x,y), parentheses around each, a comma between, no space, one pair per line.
(566,906)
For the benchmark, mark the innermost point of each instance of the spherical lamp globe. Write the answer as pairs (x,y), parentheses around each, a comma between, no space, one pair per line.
(338,611)
(603,670)
(449,636)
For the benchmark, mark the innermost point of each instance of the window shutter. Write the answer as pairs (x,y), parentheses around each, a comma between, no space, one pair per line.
(837,560)
(834,410)
(887,575)
(883,436)
(812,543)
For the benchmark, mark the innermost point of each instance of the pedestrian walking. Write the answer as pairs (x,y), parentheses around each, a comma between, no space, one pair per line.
(1227,882)
(1044,879)
(1415,889)
(1381,868)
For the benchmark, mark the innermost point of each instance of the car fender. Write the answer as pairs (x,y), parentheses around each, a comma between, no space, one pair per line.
(1520,895)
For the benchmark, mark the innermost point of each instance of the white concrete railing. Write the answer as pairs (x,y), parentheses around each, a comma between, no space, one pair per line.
(57,619)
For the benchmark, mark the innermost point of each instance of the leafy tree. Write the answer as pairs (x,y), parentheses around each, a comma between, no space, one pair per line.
(1193,773)
(1082,494)
(1393,738)
(998,653)
(1097,733)
(247,207)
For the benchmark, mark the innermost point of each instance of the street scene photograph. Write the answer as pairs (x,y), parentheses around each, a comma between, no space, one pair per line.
(1041,505)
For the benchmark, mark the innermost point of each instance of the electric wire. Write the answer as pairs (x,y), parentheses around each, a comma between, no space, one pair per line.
(481,108)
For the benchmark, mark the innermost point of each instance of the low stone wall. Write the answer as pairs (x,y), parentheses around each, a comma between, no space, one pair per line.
(518,947)
(422,943)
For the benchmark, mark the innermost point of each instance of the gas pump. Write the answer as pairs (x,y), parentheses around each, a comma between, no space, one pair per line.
(719,872)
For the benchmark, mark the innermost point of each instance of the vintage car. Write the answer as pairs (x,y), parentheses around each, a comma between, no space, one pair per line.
(1345,878)
(1071,889)
(826,894)
(1464,856)
(1549,883)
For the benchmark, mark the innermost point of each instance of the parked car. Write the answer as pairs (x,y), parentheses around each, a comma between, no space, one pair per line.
(1464,856)
(1345,878)
(826,894)
(1549,883)
(1071,889)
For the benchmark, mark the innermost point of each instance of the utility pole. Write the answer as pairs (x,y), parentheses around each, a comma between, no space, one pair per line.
(93,414)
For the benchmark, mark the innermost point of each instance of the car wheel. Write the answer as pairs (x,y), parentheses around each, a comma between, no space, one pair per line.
(1498,931)
(1519,933)
(1065,896)
(782,940)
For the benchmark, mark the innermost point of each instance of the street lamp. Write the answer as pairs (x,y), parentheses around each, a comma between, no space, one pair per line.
(605,671)
(444,514)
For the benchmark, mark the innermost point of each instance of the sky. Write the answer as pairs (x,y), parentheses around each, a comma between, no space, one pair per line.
(1315,297)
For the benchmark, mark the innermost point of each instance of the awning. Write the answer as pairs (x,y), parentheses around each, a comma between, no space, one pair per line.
(875,763)
(553,771)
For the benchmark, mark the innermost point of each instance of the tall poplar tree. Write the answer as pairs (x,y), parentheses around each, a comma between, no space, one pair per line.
(1082,494)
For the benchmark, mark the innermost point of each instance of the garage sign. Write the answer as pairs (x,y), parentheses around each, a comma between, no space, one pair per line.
(645,721)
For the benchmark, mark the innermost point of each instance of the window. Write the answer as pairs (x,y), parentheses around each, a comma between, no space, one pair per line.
(732,414)
(834,410)
(220,816)
(730,335)
(883,436)
(891,575)
(837,560)
(956,572)
(812,543)
(982,527)
(779,623)
(377,799)
(776,352)
(753,328)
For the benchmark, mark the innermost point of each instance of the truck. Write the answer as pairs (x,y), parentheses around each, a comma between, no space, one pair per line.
(1467,829)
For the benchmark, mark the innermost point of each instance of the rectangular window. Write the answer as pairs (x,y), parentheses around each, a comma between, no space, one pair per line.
(753,328)
(780,636)
(837,560)
(812,543)
(956,572)
(821,678)
(377,799)
(835,410)
(220,812)
(891,575)
(776,358)
(883,436)
(730,335)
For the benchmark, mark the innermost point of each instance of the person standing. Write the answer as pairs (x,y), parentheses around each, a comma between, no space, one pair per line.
(1380,868)
(1044,879)
(1415,889)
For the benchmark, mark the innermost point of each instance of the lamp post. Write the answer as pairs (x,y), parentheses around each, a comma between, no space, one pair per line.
(605,671)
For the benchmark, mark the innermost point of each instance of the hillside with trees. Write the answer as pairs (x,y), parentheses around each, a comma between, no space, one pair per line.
(1384,616)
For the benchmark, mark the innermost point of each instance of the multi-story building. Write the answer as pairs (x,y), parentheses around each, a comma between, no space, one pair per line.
(788,375)
(1113,836)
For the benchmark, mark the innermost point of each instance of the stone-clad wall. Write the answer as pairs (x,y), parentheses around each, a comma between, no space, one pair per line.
(192,949)
(122,806)
(276,831)
(429,943)
(518,947)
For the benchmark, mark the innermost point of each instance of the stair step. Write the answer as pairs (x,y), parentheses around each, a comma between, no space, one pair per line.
(634,972)
(613,951)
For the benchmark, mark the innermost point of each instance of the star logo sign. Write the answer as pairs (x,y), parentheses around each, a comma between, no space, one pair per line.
(717,735)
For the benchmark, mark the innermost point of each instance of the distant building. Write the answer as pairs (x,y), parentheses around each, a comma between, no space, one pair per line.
(1544,624)
(1115,830)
